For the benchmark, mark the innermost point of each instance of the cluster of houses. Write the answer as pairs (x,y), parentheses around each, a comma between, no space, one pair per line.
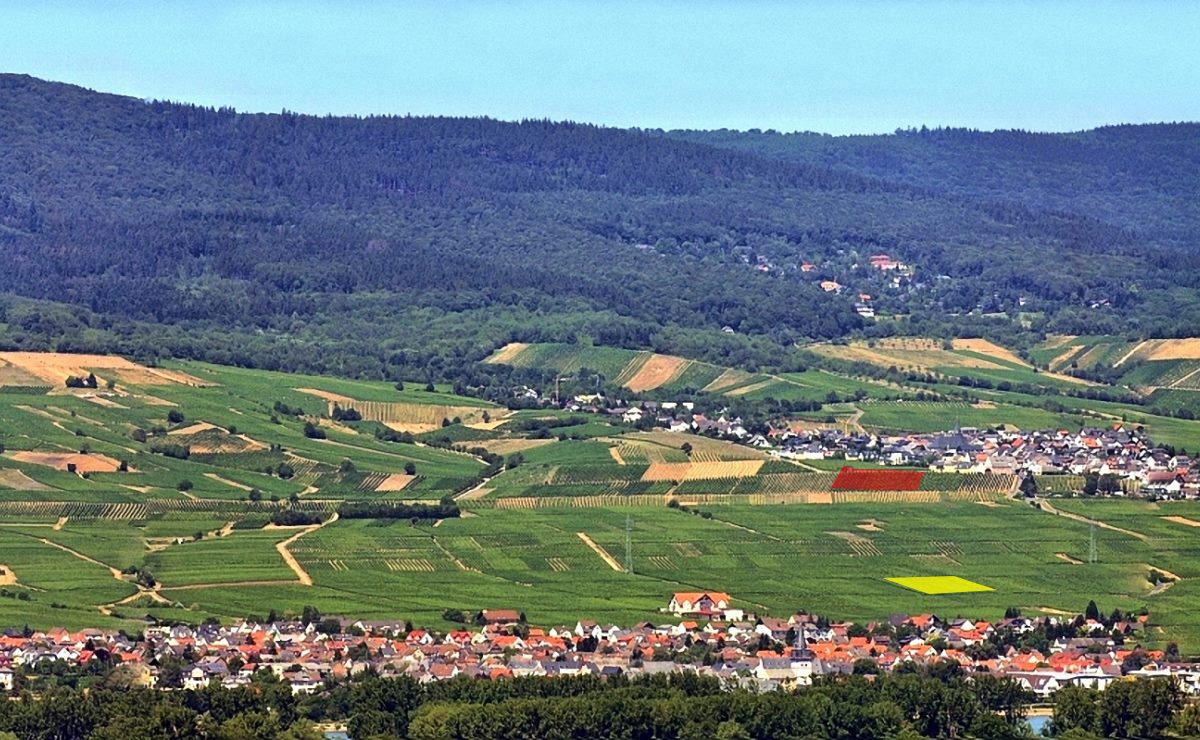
(1127,454)
(702,633)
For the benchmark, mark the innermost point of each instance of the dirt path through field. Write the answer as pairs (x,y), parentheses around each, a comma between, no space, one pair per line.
(116,572)
(478,490)
(1130,353)
(1049,509)
(62,522)
(106,609)
(1068,558)
(1182,520)
(604,555)
(226,481)
(1179,383)
(451,556)
(301,574)
(744,528)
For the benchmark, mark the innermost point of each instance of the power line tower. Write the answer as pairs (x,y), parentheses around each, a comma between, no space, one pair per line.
(628,543)
(1092,545)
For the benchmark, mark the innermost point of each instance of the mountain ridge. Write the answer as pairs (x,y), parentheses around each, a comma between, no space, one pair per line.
(167,227)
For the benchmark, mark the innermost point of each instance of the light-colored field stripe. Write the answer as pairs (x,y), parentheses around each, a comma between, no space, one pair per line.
(612,562)
(1182,520)
(226,481)
(506,354)
(747,389)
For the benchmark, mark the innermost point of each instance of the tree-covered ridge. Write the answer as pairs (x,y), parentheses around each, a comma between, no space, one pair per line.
(404,246)
(1142,177)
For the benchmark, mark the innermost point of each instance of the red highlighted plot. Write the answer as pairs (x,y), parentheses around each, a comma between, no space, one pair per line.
(852,479)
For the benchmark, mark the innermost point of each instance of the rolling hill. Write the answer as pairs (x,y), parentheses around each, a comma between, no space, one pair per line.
(392,247)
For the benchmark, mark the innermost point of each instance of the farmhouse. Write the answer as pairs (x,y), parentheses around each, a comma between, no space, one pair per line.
(699,603)
(885,263)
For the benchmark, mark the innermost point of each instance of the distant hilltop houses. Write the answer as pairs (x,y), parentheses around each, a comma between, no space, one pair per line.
(706,634)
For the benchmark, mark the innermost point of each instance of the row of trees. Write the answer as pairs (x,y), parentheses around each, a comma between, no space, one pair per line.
(938,701)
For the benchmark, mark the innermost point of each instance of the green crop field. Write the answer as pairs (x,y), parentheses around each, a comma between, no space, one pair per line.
(191,524)
(931,416)
(771,558)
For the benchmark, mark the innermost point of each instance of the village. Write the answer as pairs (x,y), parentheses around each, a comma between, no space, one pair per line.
(701,633)
(1122,461)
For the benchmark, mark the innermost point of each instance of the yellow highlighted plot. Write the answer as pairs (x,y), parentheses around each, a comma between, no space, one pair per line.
(940,584)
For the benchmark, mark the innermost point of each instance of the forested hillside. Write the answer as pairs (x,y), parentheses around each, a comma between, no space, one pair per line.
(1143,178)
(412,247)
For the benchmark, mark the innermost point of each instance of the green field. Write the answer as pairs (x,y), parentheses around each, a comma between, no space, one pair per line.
(771,558)
(64,534)
(238,400)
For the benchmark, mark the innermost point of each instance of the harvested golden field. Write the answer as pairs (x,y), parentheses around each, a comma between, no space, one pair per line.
(7,576)
(925,359)
(55,367)
(507,353)
(11,375)
(18,481)
(1173,349)
(727,379)
(331,397)
(984,347)
(395,482)
(488,426)
(91,463)
(656,372)
(702,470)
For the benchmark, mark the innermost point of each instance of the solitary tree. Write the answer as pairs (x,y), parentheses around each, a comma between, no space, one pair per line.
(1029,486)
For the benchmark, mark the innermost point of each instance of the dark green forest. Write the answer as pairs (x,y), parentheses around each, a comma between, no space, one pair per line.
(407,247)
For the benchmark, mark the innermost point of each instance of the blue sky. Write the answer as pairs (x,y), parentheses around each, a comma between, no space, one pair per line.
(839,67)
